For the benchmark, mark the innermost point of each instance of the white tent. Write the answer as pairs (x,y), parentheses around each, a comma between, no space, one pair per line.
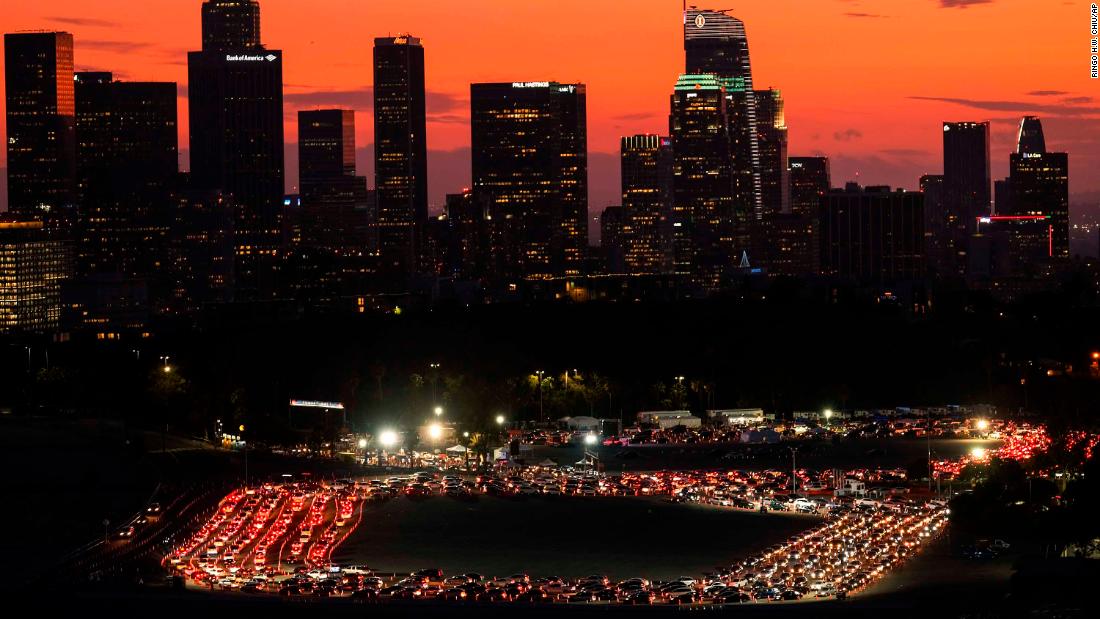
(582,422)
(457,449)
(548,462)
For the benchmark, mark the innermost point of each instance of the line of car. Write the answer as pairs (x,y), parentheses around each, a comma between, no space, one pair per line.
(279,538)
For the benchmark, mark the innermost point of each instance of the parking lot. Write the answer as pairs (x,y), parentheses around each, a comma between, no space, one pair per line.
(289,539)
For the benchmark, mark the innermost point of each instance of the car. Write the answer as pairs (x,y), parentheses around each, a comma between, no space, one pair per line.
(685,597)
(640,598)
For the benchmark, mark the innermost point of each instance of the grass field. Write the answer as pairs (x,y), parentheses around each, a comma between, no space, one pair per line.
(620,537)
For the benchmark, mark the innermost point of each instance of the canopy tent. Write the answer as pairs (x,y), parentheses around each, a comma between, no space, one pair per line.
(457,449)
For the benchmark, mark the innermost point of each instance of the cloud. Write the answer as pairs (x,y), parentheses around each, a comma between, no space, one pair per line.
(635,116)
(1015,106)
(448,119)
(117,47)
(89,22)
(961,4)
(865,15)
(847,135)
(362,98)
(905,152)
(1077,100)
(1047,93)
(355,98)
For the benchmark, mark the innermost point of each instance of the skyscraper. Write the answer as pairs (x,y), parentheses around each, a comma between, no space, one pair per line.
(771,136)
(966,185)
(230,24)
(1029,138)
(235,96)
(716,43)
(611,239)
(646,165)
(1039,186)
(809,181)
(873,236)
(937,241)
(33,264)
(530,165)
(40,122)
(400,151)
(334,199)
(703,205)
(127,171)
(201,250)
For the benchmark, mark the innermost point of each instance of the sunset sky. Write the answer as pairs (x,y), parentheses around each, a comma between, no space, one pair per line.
(866,82)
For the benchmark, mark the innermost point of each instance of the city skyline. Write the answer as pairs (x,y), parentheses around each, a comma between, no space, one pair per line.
(855,122)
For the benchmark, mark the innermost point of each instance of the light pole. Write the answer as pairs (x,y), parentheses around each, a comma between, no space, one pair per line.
(794,470)
(539,374)
(241,428)
(435,377)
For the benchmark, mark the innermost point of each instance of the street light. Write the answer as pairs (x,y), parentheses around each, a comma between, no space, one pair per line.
(438,411)
(828,414)
(590,439)
(388,438)
(982,425)
(362,443)
(539,373)
(435,431)
(500,420)
(978,453)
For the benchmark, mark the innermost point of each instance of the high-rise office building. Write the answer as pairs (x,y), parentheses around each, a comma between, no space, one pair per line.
(809,181)
(873,236)
(530,164)
(785,244)
(40,112)
(201,250)
(611,239)
(466,251)
(334,200)
(1017,250)
(646,165)
(235,97)
(1029,137)
(771,137)
(715,43)
(966,185)
(400,151)
(937,240)
(33,264)
(127,171)
(230,24)
(703,205)
(1039,186)
(1002,195)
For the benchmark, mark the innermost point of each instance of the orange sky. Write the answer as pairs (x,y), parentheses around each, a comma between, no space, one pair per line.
(849,69)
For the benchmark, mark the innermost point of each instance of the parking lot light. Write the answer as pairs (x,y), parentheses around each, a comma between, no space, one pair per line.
(388,438)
